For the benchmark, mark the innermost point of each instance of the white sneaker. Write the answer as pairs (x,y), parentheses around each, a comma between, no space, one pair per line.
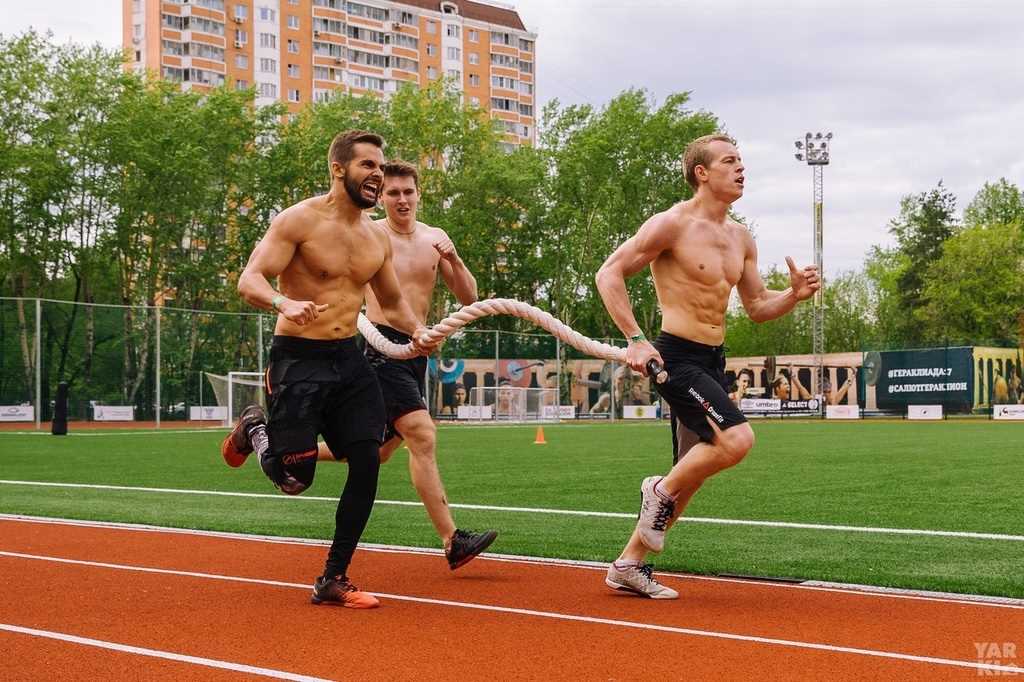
(637,578)
(655,514)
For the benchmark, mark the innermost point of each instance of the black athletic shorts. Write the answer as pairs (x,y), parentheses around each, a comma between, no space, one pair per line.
(319,387)
(402,382)
(695,390)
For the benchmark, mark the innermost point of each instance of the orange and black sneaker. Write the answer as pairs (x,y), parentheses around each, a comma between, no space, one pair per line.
(465,545)
(338,591)
(237,445)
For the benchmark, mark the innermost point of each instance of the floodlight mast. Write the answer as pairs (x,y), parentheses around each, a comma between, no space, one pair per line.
(814,149)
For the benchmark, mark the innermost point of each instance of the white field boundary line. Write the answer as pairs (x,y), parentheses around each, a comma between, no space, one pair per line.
(535,510)
(157,653)
(852,589)
(554,616)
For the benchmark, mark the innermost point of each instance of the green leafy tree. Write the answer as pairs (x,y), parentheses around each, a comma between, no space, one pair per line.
(998,203)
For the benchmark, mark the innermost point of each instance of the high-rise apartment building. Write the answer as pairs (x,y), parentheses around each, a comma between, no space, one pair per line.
(300,51)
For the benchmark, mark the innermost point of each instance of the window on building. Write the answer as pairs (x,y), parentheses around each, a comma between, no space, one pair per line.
(431,73)
(474,57)
(242,61)
(204,25)
(241,85)
(241,12)
(402,40)
(268,90)
(241,36)
(320,95)
(407,18)
(368,58)
(452,31)
(293,95)
(333,4)
(404,64)
(268,65)
(293,70)
(268,40)
(526,110)
(172,74)
(501,38)
(173,21)
(455,74)
(525,132)
(171,47)
(431,27)
(138,56)
(293,46)
(268,14)
(374,13)
(503,104)
(475,101)
(474,80)
(526,67)
(137,31)
(211,4)
(328,25)
(365,34)
(431,50)
(503,82)
(526,45)
(321,73)
(474,35)
(328,49)
(293,21)
(454,53)
(293,2)
(505,60)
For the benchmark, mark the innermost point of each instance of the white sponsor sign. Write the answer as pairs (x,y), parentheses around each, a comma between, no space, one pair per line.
(113,413)
(1008,411)
(17,413)
(208,413)
(639,411)
(558,412)
(925,412)
(760,404)
(842,412)
(475,412)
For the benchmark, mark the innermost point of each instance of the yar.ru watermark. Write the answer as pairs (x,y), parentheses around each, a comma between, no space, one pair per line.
(996,653)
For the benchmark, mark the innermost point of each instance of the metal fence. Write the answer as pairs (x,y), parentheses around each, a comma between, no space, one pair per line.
(148,363)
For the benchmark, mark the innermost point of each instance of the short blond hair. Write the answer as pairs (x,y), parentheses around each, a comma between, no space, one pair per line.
(698,153)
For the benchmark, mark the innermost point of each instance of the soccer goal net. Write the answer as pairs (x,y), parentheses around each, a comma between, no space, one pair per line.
(510,404)
(235,390)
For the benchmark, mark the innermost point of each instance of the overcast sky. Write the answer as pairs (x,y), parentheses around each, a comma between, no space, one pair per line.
(914,91)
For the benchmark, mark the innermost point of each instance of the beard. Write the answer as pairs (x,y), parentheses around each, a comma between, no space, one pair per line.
(354,193)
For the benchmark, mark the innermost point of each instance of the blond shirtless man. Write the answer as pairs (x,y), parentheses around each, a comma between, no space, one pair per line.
(324,253)
(421,253)
(697,256)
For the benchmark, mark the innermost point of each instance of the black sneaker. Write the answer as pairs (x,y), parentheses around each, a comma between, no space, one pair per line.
(466,545)
(236,446)
(338,591)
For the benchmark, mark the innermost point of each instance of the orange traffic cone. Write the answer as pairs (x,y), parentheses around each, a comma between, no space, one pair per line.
(539,440)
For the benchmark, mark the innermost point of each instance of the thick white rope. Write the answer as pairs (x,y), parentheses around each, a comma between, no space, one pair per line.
(496,306)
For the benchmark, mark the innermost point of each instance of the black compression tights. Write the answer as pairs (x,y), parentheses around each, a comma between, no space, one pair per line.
(355,504)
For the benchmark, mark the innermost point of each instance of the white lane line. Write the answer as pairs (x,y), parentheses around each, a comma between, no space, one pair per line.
(975,665)
(541,510)
(852,589)
(157,653)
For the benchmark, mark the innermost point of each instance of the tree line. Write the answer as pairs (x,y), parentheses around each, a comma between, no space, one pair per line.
(119,188)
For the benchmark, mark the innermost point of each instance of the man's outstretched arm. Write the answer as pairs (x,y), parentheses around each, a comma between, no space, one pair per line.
(763,304)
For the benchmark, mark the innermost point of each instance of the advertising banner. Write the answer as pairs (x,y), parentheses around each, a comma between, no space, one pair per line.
(17,413)
(924,412)
(558,412)
(208,413)
(842,412)
(1009,412)
(776,406)
(640,412)
(475,412)
(934,376)
(113,413)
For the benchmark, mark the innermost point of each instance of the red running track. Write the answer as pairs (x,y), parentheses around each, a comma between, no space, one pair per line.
(240,607)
